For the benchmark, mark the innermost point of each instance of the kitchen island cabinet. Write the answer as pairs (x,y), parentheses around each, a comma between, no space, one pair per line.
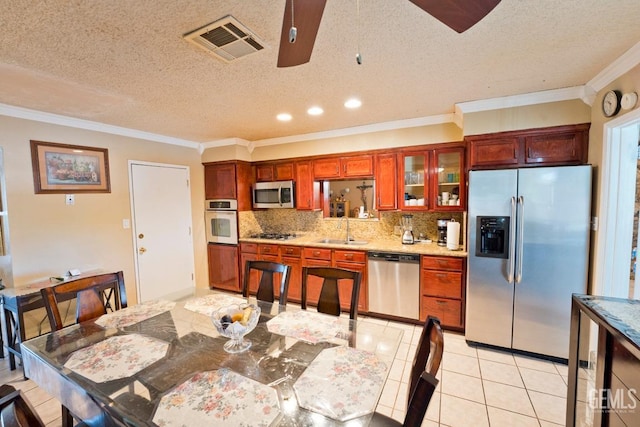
(442,282)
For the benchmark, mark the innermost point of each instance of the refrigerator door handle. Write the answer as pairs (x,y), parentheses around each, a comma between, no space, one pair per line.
(512,241)
(520,239)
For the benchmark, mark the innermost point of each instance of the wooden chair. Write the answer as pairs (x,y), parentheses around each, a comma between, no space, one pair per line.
(329,300)
(91,294)
(15,409)
(266,271)
(92,298)
(422,382)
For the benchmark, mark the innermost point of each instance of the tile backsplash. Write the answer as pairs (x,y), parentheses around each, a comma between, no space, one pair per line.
(294,221)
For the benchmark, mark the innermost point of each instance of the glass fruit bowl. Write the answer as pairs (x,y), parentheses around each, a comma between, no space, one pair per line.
(234,322)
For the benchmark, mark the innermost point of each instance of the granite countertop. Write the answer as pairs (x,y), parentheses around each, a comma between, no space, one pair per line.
(385,245)
(621,313)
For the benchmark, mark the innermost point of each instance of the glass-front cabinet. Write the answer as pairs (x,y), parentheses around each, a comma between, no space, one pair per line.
(433,180)
(415,181)
(447,167)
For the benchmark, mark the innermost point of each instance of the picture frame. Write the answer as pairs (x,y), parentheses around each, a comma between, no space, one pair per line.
(64,168)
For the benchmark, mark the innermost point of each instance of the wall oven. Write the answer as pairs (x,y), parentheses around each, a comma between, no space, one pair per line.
(221,221)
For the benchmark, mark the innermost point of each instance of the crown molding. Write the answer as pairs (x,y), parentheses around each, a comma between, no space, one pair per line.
(356,130)
(533,98)
(617,68)
(56,119)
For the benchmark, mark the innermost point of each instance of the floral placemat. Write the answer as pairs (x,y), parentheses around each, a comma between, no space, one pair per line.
(342,383)
(117,357)
(219,397)
(210,303)
(134,314)
(308,326)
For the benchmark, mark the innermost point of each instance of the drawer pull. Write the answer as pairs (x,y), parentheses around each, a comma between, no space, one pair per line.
(289,250)
(441,275)
(316,253)
(441,302)
(348,256)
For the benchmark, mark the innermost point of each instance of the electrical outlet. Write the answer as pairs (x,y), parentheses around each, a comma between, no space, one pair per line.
(69,199)
(126,223)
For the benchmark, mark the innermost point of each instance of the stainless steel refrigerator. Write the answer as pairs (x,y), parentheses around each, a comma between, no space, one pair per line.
(528,237)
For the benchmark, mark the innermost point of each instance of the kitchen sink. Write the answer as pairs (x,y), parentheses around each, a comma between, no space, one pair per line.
(341,242)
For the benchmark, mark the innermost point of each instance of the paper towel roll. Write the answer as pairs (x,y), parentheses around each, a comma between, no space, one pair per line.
(453,235)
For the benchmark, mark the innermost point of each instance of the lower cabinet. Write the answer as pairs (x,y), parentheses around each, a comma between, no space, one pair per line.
(291,256)
(223,267)
(442,290)
(355,261)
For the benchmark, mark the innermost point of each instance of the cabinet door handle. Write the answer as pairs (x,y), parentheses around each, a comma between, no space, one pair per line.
(344,168)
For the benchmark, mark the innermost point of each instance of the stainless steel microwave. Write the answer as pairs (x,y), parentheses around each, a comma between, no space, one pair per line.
(277,194)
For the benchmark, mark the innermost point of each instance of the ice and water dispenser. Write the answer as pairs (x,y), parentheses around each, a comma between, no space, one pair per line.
(492,238)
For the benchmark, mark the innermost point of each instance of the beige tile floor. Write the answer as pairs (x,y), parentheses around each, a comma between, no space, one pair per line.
(478,386)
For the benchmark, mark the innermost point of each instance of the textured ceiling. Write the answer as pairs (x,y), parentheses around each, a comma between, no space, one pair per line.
(125,63)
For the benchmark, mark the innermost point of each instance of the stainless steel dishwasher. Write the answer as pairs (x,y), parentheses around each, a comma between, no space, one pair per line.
(394,284)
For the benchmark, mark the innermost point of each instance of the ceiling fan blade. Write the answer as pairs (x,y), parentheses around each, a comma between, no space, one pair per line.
(459,15)
(307,15)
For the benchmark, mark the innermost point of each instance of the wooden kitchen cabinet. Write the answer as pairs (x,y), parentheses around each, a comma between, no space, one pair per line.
(427,177)
(354,261)
(307,190)
(442,290)
(229,180)
(223,267)
(386,178)
(315,257)
(551,146)
(292,256)
(343,167)
(266,172)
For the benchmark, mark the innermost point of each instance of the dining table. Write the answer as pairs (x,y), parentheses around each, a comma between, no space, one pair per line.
(162,363)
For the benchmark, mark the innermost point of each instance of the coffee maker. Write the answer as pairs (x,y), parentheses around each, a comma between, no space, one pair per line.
(442,232)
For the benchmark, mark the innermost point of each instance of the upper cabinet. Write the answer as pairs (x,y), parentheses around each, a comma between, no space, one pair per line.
(552,146)
(280,171)
(307,190)
(229,180)
(343,167)
(386,182)
(432,179)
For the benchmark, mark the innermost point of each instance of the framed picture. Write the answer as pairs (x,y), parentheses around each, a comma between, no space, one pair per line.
(62,168)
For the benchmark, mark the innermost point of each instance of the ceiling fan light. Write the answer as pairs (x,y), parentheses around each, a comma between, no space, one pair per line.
(315,111)
(284,117)
(353,103)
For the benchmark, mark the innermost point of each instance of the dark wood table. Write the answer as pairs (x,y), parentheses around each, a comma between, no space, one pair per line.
(604,362)
(282,367)
(17,301)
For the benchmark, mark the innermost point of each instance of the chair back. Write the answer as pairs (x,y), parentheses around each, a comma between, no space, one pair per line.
(419,400)
(329,300)
(266,271)
(15,409)
(428,354)
(93,296)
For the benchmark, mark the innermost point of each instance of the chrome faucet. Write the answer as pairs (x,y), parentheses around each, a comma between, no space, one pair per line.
(349,238)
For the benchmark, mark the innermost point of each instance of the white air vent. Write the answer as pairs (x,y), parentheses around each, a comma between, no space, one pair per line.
(226,38)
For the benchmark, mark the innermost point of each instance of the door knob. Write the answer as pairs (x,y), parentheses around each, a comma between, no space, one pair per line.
(141,251)
(140,236)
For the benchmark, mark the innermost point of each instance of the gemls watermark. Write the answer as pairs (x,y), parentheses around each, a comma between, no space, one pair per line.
(618,400)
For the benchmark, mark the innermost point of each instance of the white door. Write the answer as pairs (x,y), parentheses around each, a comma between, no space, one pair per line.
(161,211)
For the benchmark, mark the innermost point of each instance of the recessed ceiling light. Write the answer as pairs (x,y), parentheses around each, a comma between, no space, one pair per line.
(284,117)
(315,111)
(353,103)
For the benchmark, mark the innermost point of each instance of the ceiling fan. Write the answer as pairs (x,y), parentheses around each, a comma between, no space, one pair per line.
(295,48)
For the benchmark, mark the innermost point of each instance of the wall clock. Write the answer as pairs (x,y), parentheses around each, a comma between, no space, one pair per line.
(611,103)
(629,100)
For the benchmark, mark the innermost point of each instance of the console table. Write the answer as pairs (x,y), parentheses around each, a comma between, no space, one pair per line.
(604,361)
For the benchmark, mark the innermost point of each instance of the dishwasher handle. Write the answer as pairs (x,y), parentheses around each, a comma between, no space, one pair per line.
(394,257)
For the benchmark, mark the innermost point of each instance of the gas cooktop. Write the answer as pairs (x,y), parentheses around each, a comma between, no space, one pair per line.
(274,236)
